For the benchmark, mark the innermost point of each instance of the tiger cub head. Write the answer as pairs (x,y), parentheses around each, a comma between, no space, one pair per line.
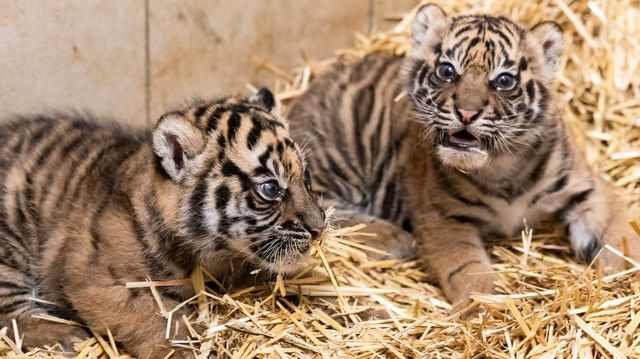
(240,181)
(481,85)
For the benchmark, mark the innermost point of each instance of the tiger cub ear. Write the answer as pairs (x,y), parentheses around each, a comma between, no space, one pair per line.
(429,26)
(266,99)
(546,38)
(176,141)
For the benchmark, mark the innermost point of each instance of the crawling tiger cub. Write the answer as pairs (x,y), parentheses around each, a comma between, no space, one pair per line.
(87,207)
(476,145)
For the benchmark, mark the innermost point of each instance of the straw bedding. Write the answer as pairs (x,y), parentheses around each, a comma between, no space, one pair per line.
(546,305)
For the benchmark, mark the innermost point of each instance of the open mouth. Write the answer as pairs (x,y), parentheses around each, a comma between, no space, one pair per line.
(462,140)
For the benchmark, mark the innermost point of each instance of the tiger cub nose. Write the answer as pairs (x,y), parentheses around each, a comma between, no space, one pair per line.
(467,116)
(315,223)
(315,232)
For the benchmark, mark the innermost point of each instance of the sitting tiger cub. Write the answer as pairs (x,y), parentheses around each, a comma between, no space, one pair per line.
(87,207)
(476,145)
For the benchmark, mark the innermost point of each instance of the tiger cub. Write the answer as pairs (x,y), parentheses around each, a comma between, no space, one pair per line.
(476,145)
(87,207)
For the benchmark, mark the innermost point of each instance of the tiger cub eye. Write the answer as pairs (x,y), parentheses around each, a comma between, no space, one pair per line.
(505,81)
(269,190)
(446,72)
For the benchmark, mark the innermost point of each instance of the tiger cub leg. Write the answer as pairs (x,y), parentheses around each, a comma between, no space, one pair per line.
(389,237)
(455,254)
(597,217)
(16,293)
(39,333)
(133,317)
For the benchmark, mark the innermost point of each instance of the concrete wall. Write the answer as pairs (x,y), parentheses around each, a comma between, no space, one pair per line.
(132,60)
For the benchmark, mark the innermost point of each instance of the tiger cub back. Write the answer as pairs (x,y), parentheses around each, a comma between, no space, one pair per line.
(481,146)
(357,139)
(86,207)
(358,142)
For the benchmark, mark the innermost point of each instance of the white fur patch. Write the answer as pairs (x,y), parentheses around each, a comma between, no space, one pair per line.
(171,131)
(463,160)
(580,235)
(429,25)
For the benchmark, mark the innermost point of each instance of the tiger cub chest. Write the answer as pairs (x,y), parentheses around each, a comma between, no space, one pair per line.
(508,217)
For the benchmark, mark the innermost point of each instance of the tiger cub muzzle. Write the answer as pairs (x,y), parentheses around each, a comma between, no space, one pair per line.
(284,247)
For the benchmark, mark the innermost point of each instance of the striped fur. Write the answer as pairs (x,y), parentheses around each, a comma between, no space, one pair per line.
(86,207)
(476,145)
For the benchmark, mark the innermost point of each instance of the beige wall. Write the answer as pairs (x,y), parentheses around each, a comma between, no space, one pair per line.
(132,60)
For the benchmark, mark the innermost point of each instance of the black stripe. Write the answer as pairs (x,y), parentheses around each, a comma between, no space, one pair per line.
(363,103)
(223,195)
(465,219)
(7,259)
(10,238)
(576,199)
(168,240)
(29,198)
(13,306)
(375,140)
(388,200)
(264,157)
(82,177)
(244,108)
(7,284)
(229,169)
(558,185)
(422,73)
(64,152)
(463,29)
(200,111)
(504,38)
(151,261)
(531,91)
(170,293)
(94,228)
(15,293)
(21,215)
(34,139)
(462,42)
(254,133)
(450,189)
(65,311)
(461,268)
(197,203)
(212,123)
(233,124)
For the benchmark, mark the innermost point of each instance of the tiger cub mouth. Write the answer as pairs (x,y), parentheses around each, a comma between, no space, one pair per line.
(462,140)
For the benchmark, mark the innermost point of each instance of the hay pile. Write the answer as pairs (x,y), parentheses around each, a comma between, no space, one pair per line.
(547,305)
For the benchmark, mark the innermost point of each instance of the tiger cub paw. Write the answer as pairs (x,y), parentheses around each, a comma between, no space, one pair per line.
(588,247)
(466,309)
(627,244)
(396,242)
(47,334)
(460,294)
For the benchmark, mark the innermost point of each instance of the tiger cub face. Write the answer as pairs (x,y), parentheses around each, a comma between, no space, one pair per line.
(243,185)
(480,84)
